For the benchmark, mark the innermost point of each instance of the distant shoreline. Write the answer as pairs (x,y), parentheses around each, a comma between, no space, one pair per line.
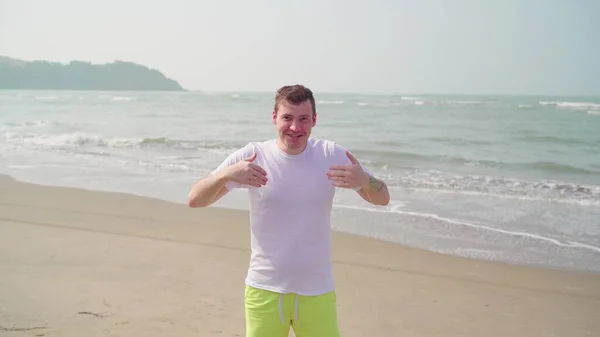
(119,75)
(98,90)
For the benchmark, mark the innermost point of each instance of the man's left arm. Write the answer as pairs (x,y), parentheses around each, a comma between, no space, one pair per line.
(375,192)
(354,177)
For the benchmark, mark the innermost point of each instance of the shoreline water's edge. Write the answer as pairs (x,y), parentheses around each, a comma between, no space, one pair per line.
(224,207)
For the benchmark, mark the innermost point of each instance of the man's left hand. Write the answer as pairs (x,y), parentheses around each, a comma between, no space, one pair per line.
(348,176)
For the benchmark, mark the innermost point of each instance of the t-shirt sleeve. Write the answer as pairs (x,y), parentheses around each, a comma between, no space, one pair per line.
(234,158)
(341,158)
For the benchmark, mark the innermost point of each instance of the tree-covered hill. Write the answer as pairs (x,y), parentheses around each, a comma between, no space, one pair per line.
(78,75)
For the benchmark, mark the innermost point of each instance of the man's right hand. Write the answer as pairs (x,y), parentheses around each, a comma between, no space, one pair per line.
(246,172)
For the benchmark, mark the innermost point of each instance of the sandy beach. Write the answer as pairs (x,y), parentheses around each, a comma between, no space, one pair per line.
(85,263)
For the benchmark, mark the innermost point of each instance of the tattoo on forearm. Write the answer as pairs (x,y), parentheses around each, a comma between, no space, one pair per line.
(376,184)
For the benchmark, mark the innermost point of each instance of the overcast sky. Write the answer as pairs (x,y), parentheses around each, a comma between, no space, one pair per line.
(368,46)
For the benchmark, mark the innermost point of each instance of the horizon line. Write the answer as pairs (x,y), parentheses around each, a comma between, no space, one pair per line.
(327,92)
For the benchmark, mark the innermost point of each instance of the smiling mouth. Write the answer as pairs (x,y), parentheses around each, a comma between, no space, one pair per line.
(293,136)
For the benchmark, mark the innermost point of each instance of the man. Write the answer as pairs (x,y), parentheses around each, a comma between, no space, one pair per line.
(291,182)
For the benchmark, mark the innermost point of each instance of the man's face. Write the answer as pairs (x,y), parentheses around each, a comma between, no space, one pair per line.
(294,124)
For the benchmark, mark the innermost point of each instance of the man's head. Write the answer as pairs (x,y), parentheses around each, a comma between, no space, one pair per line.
(294,115)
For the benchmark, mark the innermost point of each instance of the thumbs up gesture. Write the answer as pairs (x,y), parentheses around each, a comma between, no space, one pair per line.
(247,173)
(348,176)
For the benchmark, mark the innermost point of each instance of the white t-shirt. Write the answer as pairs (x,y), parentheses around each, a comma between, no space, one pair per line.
(290,216)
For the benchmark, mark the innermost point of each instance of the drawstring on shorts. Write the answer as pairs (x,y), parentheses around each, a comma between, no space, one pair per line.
(281,308)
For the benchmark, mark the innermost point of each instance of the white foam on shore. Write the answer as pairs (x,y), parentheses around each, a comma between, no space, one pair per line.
(124,98)
(568,244)
(331,102)
(573,105)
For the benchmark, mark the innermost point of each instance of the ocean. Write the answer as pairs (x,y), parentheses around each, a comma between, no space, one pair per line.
(505,178)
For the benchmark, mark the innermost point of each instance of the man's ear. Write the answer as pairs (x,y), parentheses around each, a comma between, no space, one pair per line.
(274,117)
(314,119)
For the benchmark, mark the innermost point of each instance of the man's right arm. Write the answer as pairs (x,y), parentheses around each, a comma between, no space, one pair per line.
(208,190)
(237,171)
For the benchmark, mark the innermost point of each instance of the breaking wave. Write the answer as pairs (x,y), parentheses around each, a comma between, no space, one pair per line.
(81,140)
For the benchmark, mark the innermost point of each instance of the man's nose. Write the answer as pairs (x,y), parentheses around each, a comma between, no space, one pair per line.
(294,126)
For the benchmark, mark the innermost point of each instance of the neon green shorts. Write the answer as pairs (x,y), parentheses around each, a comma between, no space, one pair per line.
(270,314)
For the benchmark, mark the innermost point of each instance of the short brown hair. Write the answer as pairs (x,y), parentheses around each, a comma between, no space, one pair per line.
(294,94)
